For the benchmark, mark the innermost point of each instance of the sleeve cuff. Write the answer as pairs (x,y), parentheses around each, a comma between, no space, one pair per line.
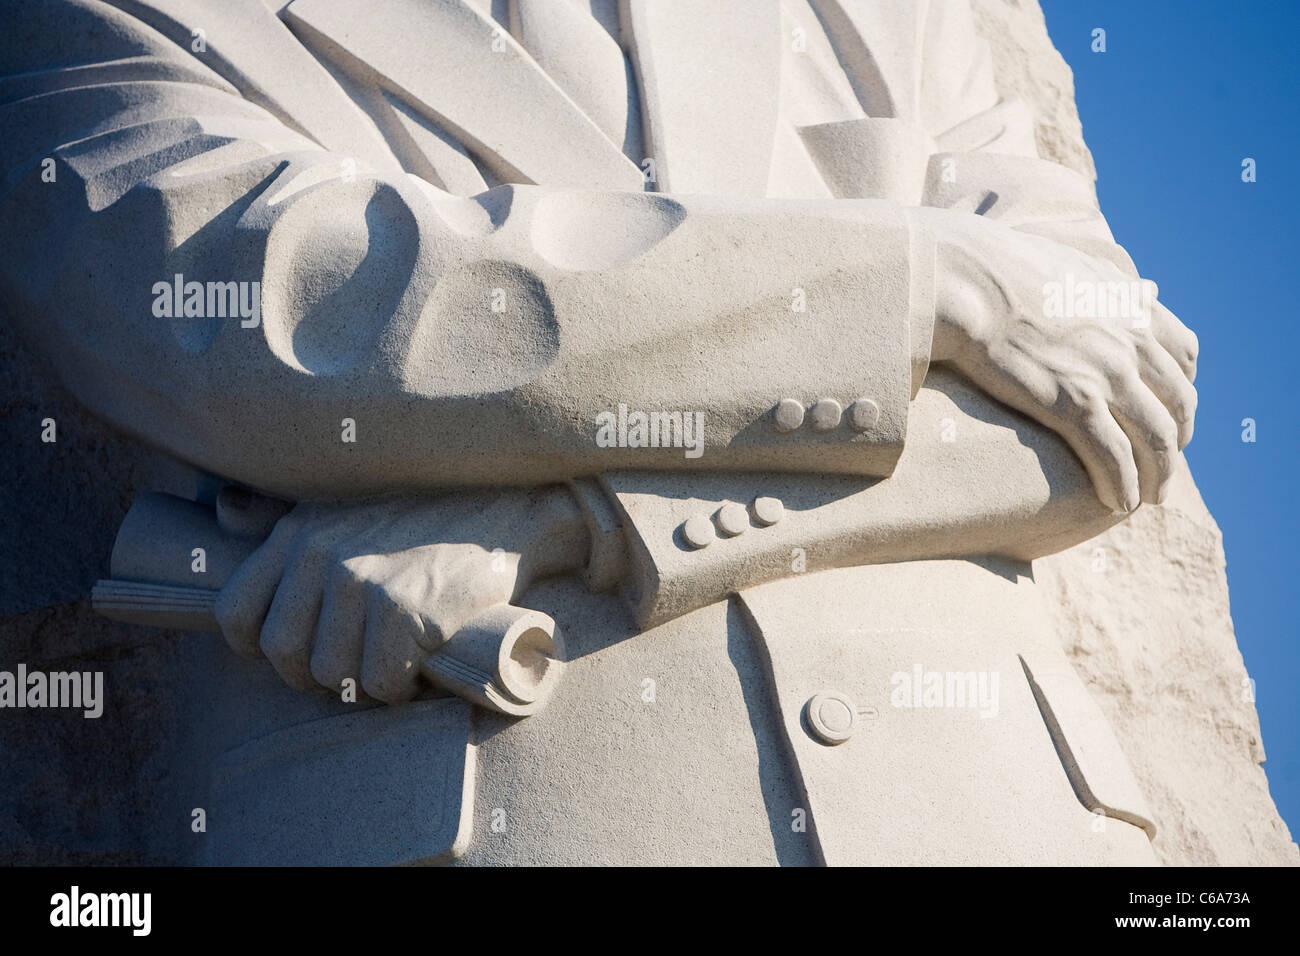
(607,562)
(921,294)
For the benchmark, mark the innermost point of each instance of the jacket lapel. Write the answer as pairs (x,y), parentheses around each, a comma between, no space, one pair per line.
(471,77)
(879,42)
(709,72)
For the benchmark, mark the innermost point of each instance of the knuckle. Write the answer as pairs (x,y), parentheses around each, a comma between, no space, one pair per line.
(378,601)
(1077,396)
(273,646)
(1144,339)
(1183,404)
(343,582)
(1148,421)
(290,526)
(314,551)
(1164,437)
(361,568)
(394,605)
(1156,433)
(226,611)
(236,626)
(276,640)
(320,672)
(1096,418)
(326,670)
(380,684)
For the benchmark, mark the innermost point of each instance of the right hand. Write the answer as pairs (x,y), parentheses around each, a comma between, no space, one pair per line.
(1117,390)
(367,590)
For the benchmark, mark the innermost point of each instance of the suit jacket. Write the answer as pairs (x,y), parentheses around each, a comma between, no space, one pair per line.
(472,238)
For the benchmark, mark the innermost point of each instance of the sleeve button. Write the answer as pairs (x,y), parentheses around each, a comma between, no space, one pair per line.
(863,415)
(788,415)
(826,415)
(732,519)
(768,511)
(698,531)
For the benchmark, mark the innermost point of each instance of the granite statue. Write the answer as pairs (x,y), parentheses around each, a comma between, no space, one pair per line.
(628,425)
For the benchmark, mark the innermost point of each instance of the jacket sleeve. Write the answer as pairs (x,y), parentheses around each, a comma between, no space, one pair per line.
(976,478)
(313,322)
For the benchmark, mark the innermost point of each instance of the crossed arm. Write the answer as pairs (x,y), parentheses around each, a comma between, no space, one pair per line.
(377,301)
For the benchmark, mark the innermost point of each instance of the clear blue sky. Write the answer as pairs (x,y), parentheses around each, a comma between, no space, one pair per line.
(1185,90)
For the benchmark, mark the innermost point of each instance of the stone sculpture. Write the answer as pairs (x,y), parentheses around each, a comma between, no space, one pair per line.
(650,409)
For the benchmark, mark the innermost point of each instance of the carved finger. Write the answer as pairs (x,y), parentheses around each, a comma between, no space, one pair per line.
(390,666)
(1084,422)
(340,631)
(1107,454)
(1176,339)
(1166,379)
(291,622)
(243,603)
(1153,436)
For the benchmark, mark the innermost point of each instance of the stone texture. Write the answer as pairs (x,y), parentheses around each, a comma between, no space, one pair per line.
(1150,631)
(1026,64)
(1143,613)
(78,791)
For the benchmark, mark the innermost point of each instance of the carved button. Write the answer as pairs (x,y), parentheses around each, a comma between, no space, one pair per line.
(863,415)
(732,519)
(825,415)
(768,511)
(698,531)
(831,718)
(788,415)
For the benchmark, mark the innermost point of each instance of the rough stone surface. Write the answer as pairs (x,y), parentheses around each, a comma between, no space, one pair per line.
(1142,609)
(1026,64)
(1142,612)
(77,791)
